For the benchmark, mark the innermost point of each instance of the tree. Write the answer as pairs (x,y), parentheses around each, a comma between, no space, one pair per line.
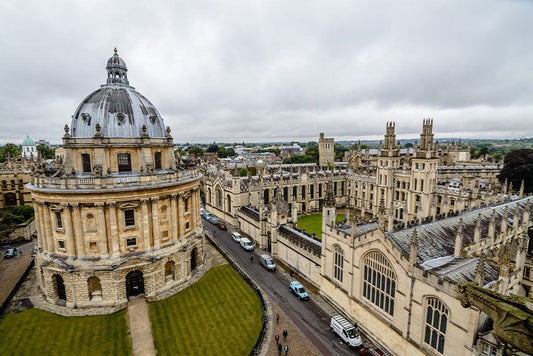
(243,172)
(195,150)
(212,148)
(518,167)
(299,159)
(408,145)
(312,152)
(9,149)
(339,151)
(45,151)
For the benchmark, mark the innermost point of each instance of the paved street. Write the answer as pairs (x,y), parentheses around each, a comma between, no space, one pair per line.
(11,269)
(304,314)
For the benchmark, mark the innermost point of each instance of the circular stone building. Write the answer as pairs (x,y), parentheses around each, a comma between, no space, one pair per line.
(118,218)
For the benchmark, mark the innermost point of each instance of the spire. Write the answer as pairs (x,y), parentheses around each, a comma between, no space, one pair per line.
(413,248)
(480,270)
(477,230)
(459,239)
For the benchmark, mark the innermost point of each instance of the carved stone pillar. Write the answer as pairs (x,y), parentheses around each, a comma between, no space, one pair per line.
(69,230)
(79,238)
(39,219)
(181,216)
(146,240)
(102,228)
(115,244)
(155,222)
(49,229)
(174,233)
(195,209)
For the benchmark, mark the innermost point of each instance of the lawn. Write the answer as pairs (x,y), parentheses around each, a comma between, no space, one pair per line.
(37,332)
(219,315)
(313,223)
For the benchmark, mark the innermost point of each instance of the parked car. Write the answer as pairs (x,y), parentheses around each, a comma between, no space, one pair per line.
(222,226)
(246,244)
(371,351)
(267,262)
(236,236)
(346,330)
(10,253)
(213,220)
(298,290)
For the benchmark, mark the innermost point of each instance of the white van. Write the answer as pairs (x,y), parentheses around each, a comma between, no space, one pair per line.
(267,262)
(246,244)
(346,330)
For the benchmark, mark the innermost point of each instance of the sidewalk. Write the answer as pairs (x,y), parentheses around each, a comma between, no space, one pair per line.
(142,343)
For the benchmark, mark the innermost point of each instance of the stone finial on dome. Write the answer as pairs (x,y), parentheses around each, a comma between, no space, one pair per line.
(117,70)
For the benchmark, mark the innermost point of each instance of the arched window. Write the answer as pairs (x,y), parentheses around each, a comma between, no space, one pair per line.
(169,271)
(379,281)
(228,203)
(219,198)
(95,288)
(338,263)
(436,322)
(208,198)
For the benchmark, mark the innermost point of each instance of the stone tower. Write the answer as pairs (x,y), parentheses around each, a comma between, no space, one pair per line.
(326,152)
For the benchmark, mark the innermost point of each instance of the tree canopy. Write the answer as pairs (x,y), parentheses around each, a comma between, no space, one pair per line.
(9,149)
(518,166)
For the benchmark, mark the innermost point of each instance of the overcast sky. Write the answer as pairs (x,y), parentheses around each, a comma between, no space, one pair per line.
(253,71)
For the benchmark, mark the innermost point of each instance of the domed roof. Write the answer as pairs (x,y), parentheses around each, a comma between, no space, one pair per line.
(28,142)
(118,108)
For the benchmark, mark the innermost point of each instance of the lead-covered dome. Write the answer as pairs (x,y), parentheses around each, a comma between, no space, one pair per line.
(118,108)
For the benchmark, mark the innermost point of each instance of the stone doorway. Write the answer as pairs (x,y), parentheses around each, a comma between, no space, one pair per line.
(60,287)
(134,283)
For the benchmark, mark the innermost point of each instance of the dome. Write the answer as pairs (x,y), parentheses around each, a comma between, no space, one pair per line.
(28,142)
(118,108)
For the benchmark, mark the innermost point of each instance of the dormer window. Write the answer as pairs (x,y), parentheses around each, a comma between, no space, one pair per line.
(121,118)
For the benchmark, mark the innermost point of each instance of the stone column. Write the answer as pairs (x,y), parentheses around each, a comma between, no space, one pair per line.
(102,228)
(78,230)
(155,222)
(39,219)
(115,244)
(146,240)
(194,209)
(174,233)
(49,228)
(181,216)
(68,227)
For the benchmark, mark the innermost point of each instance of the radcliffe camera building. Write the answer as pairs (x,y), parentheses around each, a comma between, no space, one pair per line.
(119,217)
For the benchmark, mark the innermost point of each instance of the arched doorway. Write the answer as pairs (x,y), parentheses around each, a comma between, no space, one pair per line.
(60,287)
(194,252)
(134,283)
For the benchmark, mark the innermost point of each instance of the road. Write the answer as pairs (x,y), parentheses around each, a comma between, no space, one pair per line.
(311,322)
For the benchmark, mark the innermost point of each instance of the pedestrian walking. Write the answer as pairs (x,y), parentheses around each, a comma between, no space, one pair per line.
(285,333)
(280,348)
(277,318)
(20,251)
(286,350)
(277,339)
(252,258)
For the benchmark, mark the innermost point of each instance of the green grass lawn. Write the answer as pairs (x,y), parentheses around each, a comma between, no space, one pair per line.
(313,223)
(219,315)
(37,332)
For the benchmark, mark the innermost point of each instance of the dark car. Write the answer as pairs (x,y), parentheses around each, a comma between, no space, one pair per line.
(371,351)
(221,226)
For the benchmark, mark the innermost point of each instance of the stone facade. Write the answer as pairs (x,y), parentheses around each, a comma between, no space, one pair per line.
(326,151)
(119,217)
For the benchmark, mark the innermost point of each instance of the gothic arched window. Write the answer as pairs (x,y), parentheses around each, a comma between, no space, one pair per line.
(338,263)
(436,322)
(379,281)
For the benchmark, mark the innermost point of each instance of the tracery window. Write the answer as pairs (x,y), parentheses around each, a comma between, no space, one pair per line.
(379,281)
(338,263)
(436,322)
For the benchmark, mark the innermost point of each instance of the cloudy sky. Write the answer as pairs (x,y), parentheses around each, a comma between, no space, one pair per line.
(256,70)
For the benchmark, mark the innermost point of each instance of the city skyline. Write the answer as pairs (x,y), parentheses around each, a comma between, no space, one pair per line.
(275,72)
